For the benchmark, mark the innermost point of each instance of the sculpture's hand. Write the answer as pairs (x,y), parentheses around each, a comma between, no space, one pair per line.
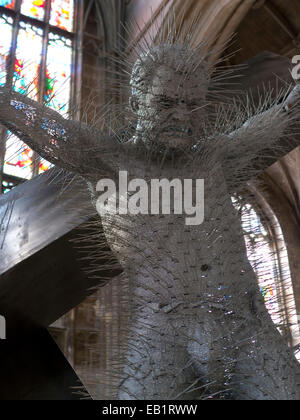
(68,144)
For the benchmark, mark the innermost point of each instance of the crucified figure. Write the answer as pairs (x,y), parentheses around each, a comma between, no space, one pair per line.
(198,323)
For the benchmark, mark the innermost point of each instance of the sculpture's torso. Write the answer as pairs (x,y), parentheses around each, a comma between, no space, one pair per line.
(193,298)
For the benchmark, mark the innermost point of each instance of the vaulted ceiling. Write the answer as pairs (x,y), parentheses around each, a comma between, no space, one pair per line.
(270,25)
(257,25)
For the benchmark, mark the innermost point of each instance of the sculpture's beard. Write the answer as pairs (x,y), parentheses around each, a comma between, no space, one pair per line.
(172,137)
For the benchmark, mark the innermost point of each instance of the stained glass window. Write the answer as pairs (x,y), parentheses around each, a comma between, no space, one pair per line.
(27,60)
(36,59)
(9,4)
(7,186)
(267,254)
(44,165)
(261,256)
(58,73)
(18,158)
(62,14)
(33,8)
(5,43)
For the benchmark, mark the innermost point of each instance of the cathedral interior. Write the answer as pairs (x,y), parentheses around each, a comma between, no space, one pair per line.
(61,326)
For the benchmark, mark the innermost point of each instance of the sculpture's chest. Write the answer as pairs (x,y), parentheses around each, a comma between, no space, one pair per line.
(173,258)
(145,236)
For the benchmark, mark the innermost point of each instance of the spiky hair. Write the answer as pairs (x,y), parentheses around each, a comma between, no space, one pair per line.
(177,57)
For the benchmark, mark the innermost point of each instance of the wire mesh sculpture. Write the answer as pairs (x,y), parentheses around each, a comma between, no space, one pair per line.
(198,326)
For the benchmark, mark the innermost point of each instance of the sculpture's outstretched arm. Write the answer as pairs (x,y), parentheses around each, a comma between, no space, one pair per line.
(262,140)
(68,144)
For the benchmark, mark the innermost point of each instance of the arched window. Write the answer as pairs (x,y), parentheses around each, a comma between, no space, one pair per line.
(267,254)
(38,58)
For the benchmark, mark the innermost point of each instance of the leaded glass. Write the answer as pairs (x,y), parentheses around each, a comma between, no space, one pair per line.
(7,186)
(9,4)
(62,14)
(28,57)
(18,158)
(58,73)
(33,8)
(261,257)
(28,65)
(44,165)
(5,41)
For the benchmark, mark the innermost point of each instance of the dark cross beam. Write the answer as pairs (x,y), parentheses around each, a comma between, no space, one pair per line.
(42,277)
(33,368)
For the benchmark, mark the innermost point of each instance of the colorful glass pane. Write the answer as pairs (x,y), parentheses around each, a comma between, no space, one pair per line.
(58,73)
(28,57)
(62,12)
(9,4)
(261,257)
(5,41)
(7,186)
(18,158)
(270,296)
(44,165)
(33,8)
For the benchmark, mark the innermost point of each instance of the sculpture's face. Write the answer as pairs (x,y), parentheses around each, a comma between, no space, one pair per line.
(170,109)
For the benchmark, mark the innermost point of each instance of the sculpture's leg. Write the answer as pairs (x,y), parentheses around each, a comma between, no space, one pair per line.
(158,365)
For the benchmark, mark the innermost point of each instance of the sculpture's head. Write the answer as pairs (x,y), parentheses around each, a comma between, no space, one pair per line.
(168,96)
